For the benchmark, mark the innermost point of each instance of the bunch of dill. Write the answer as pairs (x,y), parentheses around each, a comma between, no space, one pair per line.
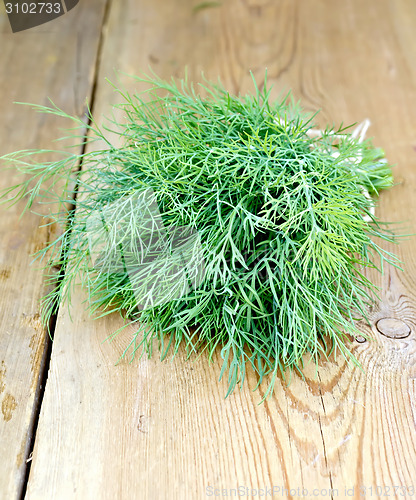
(221,221)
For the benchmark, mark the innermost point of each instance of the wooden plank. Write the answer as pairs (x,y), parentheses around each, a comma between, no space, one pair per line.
(44,62)
(163,430)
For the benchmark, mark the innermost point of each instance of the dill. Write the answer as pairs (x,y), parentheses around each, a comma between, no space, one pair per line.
(219,221)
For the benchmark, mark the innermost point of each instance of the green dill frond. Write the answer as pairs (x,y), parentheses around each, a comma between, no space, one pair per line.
(221,221)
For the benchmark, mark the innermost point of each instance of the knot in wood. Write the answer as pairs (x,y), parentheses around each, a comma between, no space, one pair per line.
(360,339)
(393,328)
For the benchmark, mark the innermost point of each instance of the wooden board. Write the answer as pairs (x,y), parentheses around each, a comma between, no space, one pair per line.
(164,430)
(57,61)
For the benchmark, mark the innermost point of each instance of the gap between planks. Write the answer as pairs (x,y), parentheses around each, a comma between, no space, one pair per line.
(44,370)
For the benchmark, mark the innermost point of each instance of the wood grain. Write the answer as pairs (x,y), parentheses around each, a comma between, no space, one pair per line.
(154,429)
(55,61)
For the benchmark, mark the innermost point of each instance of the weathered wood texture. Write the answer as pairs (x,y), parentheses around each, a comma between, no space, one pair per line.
(55,61)
(163,430)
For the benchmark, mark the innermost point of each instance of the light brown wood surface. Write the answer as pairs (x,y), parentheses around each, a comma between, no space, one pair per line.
(55,61)
(162,430)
